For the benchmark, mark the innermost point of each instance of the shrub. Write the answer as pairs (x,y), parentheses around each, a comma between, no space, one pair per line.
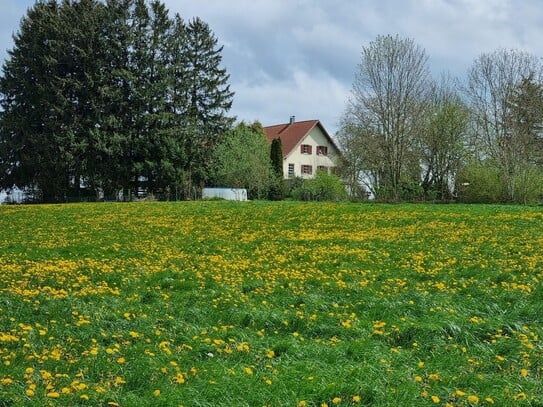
(324,187)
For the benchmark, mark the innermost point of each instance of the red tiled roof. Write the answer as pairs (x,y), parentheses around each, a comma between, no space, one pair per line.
(292,134)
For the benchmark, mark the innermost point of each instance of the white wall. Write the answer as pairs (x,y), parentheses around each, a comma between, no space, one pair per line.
(314,138)
(231,194)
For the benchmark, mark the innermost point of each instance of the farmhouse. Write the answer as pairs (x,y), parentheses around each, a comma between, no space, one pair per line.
(307,147)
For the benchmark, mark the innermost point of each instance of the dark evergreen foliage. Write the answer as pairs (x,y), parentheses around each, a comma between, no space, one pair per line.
(277,189)
(112,95)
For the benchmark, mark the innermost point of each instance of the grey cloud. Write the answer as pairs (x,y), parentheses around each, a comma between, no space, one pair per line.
(298,57)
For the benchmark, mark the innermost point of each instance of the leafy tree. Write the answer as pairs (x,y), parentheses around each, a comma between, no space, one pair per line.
(442,142)
(385,114)
(241,160)
(505,101)
(276,157)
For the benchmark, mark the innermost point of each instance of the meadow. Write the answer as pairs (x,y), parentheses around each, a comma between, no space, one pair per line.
(271,304)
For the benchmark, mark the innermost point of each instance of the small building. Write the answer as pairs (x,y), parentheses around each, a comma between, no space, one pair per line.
(230,194)
(307,147)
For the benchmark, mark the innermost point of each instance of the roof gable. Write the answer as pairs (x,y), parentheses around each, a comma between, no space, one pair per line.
(291,134)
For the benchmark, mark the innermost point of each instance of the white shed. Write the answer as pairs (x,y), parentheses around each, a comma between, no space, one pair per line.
(231,194)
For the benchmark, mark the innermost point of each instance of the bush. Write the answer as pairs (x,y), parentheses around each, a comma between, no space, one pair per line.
(479,182)
(324,187)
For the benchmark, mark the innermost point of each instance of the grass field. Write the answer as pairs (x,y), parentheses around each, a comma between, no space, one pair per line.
(278,304)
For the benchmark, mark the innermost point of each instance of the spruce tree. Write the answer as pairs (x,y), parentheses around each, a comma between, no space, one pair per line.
(107,93)
(35,153)
(208,99)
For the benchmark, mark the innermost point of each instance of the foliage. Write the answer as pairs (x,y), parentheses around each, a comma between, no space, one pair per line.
(322,187)
(442,142)
(479,182)
(107,94)
(241,160)
(277,188)
(504,90)
(285,304)
(386,112)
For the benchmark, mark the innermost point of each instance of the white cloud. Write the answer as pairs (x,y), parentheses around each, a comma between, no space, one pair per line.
(306,96)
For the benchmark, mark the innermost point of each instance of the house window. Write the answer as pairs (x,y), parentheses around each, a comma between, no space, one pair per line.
(305,149)
(291,170)
(307,169)
(322,150)
(322,168)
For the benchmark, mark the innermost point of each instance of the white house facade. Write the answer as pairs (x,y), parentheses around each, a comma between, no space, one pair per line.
(307,148)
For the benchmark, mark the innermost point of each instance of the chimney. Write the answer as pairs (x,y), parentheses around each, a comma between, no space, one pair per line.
(292,119)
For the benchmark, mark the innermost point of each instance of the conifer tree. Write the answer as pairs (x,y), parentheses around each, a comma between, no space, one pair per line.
(208,99)
(34,152)
(276,157)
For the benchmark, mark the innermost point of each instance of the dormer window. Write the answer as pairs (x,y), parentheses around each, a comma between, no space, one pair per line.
(305,149)
(322,150)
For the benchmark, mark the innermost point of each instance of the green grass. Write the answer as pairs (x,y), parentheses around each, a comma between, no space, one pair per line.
(279,304)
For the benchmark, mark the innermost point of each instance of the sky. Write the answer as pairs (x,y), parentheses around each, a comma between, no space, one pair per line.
(299,57)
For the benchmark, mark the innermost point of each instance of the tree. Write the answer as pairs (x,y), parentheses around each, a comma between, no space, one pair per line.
(442,141)
(48,105)
(241,160)
(502,89)
(107,94)
(208,99)
(276,157)
(385,113)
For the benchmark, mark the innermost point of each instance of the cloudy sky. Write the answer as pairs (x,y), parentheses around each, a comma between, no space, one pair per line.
(298,57)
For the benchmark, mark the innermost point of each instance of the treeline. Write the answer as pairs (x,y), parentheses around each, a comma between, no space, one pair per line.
(103,96)
(406,136)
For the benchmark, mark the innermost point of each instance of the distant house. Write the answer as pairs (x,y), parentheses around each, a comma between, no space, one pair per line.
(307,147)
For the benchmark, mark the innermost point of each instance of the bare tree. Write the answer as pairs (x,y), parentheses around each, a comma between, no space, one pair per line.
(384,114)
(501,88)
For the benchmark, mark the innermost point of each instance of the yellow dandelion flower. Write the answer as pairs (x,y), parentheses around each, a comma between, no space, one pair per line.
(270,354)
(156,393)
(473,399)
(248,370)
(418,379)
(179,378)
(524,372)
(520,396)
(489,400)
(435,399)
(29,392)
(121,360)
(84,397)
(459,393)
(336,400)
(53,394)
(302,403)
(434,376)
(356,399)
